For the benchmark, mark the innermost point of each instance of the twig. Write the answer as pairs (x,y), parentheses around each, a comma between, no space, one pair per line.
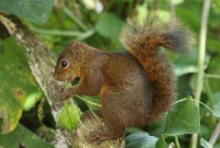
(202,51)
(77,34)
(215,134)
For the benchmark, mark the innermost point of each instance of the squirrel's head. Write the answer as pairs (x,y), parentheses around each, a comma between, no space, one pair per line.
(69,63)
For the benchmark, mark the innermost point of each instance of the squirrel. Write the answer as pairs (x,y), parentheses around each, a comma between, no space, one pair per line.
(135,86)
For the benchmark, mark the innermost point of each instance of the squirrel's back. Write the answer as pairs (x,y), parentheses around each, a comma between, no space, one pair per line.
(143,41)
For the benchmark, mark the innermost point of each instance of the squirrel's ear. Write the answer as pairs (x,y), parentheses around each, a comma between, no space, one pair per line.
(74,44)
(75,49)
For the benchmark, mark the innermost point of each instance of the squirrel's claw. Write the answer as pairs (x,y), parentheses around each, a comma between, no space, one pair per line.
(96,136)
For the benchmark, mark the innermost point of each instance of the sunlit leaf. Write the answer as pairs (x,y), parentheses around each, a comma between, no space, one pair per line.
(31,100)
(16,83)
(69,116)
(177,2)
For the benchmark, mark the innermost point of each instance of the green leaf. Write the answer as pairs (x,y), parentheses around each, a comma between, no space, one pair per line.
(213,45)
(183,119)
(36,11)
(132,130)
(177,2)
(22,137)
(205,143)
(142,12)
(69,116)
(187,65)
(214,69)
(92,101)
(109,26)
(140,140)
(161,143)
(31,100)
(17,83)
(216,97)
(216,111)
(217,145)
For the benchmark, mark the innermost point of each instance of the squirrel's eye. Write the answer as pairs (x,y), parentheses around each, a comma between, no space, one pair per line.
(64,63)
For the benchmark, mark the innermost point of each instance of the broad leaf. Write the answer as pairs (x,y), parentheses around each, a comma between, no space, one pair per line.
(36,11)
(69,116)
(17,84)
(109,26)
(187,65)
(140,140)
(91,101)
(183,119)
(215,103)
(22,137)
(216,111)
(214,69)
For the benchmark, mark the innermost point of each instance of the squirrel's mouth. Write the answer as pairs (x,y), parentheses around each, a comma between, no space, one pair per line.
(75,81)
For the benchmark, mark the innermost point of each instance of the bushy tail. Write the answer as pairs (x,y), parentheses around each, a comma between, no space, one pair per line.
(142,41)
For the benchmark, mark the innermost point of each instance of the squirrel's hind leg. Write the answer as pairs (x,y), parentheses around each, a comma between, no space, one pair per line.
(110,111)
(114,131)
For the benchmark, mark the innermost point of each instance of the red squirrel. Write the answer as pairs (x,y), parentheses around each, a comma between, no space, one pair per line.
(135,86)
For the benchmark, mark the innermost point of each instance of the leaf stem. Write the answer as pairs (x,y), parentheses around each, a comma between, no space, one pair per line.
(214,76)
(181,100)
(93,113)
(54,32)
(75,19)
(87,101)
(202,51)
(177,142)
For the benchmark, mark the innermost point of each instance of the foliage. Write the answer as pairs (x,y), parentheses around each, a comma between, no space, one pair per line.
(178,120)
(141,140)
(22,137)
(20,95)
(17,84)
(36,11)
(69,116)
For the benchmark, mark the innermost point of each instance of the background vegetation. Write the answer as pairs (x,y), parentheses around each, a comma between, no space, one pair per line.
(25,114)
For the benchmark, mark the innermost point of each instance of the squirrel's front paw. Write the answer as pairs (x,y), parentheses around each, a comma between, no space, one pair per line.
(100,136)
(65,93)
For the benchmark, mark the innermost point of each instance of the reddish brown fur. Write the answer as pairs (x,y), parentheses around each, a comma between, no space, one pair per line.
(135,86)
